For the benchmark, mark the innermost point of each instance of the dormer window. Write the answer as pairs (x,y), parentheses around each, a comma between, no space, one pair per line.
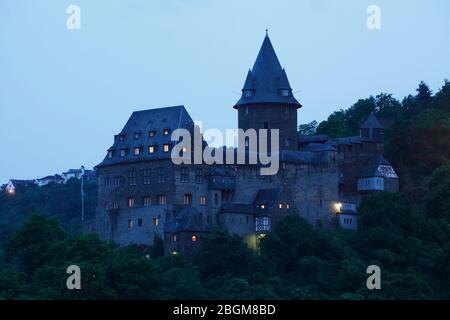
(285,92)
(151,149)
(166,148)
(151,133)
(123,152)
(121,137)
(111,153)
(137,151)
(247,93)
(137,135)
(166,131)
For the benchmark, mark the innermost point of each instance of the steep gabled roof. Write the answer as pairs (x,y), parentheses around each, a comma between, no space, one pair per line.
(266,80)
(141,123)
(372,122)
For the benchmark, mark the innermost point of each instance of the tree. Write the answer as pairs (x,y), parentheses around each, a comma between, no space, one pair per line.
(307,129)
(424,95)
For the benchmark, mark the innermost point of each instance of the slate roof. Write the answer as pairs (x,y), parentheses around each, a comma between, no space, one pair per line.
(186,219)
(266,79)
(140,124)
(267,197)
(371,168)
(301,157)
(372,122)
(319,147)
(238,208)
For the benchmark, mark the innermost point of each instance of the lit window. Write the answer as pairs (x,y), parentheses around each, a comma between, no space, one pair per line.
(187,199)
(162,199)
(280,206)
(288,205)
(155,221)
(166,148)
(130,224)
(130,202)
(137,151)
(174,238)
(166,131)
(194,238)
(202,200)
(151,133)
(151,149)
(263,206)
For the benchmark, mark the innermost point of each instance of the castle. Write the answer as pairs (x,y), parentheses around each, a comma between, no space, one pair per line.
(143,194)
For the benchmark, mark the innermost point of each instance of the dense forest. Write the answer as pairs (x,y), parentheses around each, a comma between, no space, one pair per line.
(407,233)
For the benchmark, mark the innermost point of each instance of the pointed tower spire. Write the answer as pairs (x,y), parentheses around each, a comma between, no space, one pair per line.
(267,81)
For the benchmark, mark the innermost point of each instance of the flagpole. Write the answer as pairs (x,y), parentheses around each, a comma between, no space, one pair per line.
(82,193)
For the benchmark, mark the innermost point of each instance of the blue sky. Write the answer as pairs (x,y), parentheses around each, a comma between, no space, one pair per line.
(64,94)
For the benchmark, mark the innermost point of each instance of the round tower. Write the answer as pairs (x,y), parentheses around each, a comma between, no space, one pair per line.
(267,101)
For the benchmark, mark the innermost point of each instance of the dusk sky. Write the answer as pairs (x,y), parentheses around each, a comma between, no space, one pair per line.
(65,93)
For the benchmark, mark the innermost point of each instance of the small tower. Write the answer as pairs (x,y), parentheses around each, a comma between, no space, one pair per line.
(372,129)
(267,101)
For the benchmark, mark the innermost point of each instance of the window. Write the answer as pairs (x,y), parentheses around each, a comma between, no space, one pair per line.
(266,125)
(246,111)
(194,238)
(147,176)
(285,93)
(216,199)
(130,224)
(139,222)
(147,201)
(137,151)
(107,182)
(137,135)
(115,205)
(130,202)
(116,182)
(132,178)
(174,238)
(166,148)
(155,221)
(184,176)
(123,152)
(202,200)
(262,224)
(110,154)
(187,200)
(198,176)
(262,206)
(151,133)
(161,178)
(288,205)
(162,199)
(166,131)
(122,137)
(151,149)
